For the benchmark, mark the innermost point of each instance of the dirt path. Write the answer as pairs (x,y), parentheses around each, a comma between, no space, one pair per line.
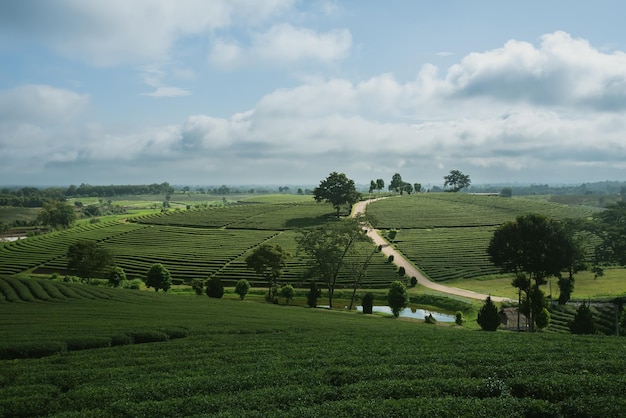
(400,261)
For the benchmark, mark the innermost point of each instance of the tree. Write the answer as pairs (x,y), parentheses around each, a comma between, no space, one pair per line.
(158,277)
(214,288)
(533,247)
(287,292)
(417,187)
(398,297)
(338,190)
(268,261)
(57,214)
(610,226)
(506,192)
(329,248)
(117,275)
(488,316)
(87,259)
(456,180)
(380,184)
(242,288)
(372,186)
(392,234)
(313,294)
(543,318)
(396,183)
(583,322)
(198,286)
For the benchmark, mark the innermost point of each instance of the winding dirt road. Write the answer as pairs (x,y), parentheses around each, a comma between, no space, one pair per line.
(411,271)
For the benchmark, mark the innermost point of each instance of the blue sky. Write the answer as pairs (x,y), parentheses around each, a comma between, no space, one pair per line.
(283,92)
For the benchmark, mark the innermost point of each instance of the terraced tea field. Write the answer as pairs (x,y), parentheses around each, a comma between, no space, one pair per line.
(447,234)
(242,359)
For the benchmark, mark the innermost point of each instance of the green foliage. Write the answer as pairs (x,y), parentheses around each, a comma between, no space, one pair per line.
(313,295)
(242,287)
(543,319)
(158,277)
(287,292)
(413,281)
(488,316)
(368,302)
(401,271)
(198,286)
(456,180)
(214,288)
(117,276)
(610,227)
(459,320)
(397,297)
(57,214)
(583,322)
(390,258)
(268,261)
(338,190)
(88,259)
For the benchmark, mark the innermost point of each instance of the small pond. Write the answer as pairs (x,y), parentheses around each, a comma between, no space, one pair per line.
(413,313)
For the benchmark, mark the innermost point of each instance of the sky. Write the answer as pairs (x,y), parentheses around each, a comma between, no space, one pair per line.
(211,92)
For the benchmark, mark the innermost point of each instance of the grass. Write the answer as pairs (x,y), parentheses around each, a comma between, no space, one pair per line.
(241,358)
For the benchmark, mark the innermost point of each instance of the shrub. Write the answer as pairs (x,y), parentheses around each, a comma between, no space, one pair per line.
(198,286)
(287,292)
(398,297)
(459,318)
(583,322)
(242,288)
(488,316)
(413,281)
(543,319)
(214,288)
(401,271)
(116,276)
(313,294)
(368,303)
(390,259)
(132,284)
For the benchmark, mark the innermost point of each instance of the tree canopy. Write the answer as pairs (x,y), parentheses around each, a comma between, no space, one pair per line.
(534,247)
(57,214)
(338,190)
(268,261)
(610,227)
(398,297)
(329,248)
(158,277)
(456,180)
(88,259)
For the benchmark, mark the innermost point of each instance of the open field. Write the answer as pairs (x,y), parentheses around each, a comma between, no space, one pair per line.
(238,358)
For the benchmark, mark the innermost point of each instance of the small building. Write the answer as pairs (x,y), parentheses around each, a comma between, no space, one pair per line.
(509,320)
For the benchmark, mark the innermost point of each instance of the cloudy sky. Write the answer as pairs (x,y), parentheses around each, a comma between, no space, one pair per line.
(208,92)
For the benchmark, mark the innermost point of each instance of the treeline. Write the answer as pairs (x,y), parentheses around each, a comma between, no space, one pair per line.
(30,197)
(598,188)
(88,190)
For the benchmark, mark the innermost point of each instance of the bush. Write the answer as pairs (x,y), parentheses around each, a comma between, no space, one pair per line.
(368,303)
(132,284)
(543,319)
(117,276)
(583,322)
(401,271)
(488,316)
(398,297)
(459,318)
(287,292)
(413,281)
(313,294)
(242,288)
(390,259)
(214,288)
(198,286)
(430,319)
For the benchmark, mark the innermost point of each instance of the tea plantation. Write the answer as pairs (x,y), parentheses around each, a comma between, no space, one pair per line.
(118,352)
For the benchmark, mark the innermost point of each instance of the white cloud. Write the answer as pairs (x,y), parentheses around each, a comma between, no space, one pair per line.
(119,31)
(39,103)
(283,43)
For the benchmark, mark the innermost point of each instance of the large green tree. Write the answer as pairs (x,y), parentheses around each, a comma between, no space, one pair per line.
(57,214)
(488,316)
(158,277)
(88,259)
(396,183)
(610,226)
(456,180)
(337,189)
(268,261)
(534,247)
(330,249)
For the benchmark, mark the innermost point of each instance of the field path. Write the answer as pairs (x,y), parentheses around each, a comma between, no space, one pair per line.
(411,271)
